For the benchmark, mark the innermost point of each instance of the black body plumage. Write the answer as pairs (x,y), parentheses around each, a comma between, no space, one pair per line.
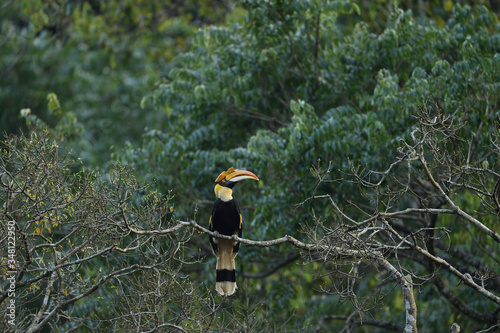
(226,220)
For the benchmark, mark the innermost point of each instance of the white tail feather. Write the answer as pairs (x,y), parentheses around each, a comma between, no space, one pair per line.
(225,261)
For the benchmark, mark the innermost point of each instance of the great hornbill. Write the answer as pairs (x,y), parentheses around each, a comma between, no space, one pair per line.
(226,220)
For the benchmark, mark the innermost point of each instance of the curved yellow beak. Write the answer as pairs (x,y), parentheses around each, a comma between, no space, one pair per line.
(235,175)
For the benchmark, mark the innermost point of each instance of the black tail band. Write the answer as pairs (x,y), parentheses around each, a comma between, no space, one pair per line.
(226,275)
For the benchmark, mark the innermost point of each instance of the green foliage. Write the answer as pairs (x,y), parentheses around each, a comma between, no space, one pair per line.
(99,57)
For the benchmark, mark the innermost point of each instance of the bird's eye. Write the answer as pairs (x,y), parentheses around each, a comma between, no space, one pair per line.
(223,181)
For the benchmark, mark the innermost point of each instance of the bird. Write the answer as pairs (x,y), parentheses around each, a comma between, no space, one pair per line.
(226,220)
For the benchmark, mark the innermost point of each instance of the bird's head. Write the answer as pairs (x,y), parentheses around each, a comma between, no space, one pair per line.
(227,179)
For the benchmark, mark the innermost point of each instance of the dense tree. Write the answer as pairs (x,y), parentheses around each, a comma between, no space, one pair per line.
(73,246)
(377,148)
(99,57)
(289,88)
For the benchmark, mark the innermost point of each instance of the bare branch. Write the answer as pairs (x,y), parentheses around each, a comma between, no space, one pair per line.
(485,229)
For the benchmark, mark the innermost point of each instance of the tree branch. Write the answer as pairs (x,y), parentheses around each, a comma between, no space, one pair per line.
(456,209)
(451,268)
(409,299)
